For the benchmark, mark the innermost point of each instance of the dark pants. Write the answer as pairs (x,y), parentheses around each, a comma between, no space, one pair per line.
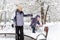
(19,33)
(33,29)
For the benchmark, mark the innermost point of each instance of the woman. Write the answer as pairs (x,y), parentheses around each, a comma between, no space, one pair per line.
(19,14)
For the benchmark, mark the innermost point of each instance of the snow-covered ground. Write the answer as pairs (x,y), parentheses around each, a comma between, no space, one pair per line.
(53,33)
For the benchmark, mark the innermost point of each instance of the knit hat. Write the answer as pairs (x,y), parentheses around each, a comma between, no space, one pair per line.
(37,16)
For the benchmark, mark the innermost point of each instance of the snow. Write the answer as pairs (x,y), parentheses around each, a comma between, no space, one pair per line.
(53,33)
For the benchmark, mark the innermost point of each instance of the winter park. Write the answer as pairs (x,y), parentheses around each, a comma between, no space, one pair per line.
(29,19)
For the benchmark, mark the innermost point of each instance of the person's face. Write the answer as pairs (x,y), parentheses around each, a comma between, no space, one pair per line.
(38,18)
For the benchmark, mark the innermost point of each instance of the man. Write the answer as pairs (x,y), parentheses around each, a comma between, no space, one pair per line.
(19,14)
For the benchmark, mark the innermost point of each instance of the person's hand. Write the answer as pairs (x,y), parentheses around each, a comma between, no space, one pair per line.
(31,15)
(37,25)
(40,25)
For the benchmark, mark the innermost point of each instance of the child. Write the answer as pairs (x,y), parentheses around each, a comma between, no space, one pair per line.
(35,22)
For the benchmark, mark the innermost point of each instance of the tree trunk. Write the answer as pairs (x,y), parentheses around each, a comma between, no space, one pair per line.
(42,15)
(45,17)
